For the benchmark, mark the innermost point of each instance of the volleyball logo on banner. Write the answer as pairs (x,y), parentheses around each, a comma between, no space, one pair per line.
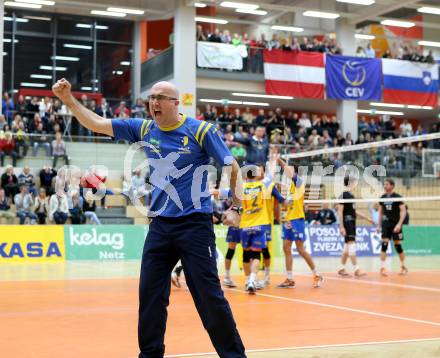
(353,78)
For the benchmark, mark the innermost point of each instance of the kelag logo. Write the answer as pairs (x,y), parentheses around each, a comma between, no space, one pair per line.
(31,243)
(105,242)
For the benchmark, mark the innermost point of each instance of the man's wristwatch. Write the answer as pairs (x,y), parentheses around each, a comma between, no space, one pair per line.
(238,209)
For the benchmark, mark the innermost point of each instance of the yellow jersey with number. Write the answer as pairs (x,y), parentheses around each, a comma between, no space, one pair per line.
(257,203)
(295,199)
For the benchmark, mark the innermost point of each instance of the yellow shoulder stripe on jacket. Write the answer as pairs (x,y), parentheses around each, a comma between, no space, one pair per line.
(199,131)
(204,132)
(145,127)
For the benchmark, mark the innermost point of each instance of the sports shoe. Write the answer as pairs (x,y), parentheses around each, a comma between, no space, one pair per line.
(403,271)
(229,283)
(317,281)
(383,272)
(175,280)
(358,273)
(343,273)
(259,285)
(287,284)
(266,281)
(250,288)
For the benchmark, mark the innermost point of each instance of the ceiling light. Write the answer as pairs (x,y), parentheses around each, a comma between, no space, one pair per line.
(45,77)
(390,105)
(125,63)
(252,12)
(118,72)
(199,4)
(86,88)
(261,104)
(429,43)
(398,23)
(24,5)
(227,101)
(211,20)
(256,95)
(9,41)
(429,10)
(65,58)
(50,68)
(413,106)
(287,28)
(126,11)
(38,2)
(30,84)
(89,26)
(374,112)
(321,14)
(427,107)
(40,18)
(83,47)
(108,13)
(364,37)
(17,19)
(239,5)
(5,53)
(358,2)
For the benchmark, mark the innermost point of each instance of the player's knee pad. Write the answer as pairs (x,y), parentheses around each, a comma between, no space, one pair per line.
(255,255)
(266,254)
(352,249)
(230,254)
(345,249)
(398,248)
(246,256)
(384,246)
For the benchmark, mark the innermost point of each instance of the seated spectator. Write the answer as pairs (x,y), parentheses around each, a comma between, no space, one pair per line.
(41,207)
(8,107)
(58,209)
(75,204)
(27,178)
(360,52)
(21,106)
(139,109)
(199,115)
(325,216)
(93,182)
(33,124)
(122,111)
(310,216)
(387,54)
(46,175)
(7,148)
(24,203)
(369,51)
(41,140)
(89,208)
(138,187)
(5,208)
(9,182)
(59,150)
(33,106)
(104,110)
(3,122)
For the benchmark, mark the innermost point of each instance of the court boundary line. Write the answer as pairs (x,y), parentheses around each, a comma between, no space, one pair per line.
(342,308)
(376,283)
(309,347)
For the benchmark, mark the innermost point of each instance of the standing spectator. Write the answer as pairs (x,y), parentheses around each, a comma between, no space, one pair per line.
(41,140)
(58,209)
(8,107)
(387,54)
(429,58)
(369,51)
(248,117)
(406,129)
(89,209)
(274,43)
(21,106)
(104,110)
(59,150)
(23,205)
(199,115)
(209,114)
(46,176)
(9,182)
(239,153)
(41,207)
(216,36)
(226,37)
(200,35)
(7,147)
(304,121)
(33,106)
(360,52)
(261,118)
(257,147)
(236,40)
(3,122)
(21,140)
(5,208)
(27,178)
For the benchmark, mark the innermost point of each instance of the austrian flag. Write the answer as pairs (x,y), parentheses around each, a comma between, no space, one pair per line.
(296,74)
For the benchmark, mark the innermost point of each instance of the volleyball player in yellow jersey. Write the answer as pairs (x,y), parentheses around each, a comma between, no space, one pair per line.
(256,220)
(294,228)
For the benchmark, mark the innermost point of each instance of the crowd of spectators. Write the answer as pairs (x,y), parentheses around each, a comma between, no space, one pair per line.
(406,53)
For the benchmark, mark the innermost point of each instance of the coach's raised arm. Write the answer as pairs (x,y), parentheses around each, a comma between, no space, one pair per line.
(63,90)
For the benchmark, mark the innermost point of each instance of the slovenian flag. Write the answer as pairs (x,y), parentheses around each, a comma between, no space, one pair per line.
(407,82)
